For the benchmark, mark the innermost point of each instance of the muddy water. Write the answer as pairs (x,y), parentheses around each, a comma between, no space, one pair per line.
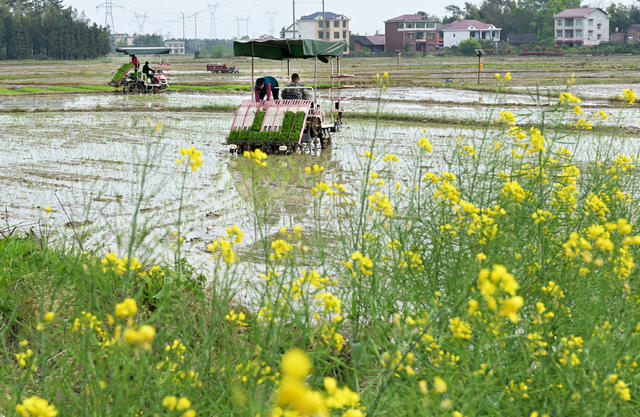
(91,162)
(435,103)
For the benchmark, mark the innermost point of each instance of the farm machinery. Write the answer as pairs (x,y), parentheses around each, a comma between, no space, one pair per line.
(131,79)
(287,125)
(218,68)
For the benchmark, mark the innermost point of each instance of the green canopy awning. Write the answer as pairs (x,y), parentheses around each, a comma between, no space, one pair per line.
(145,50)
(288,48)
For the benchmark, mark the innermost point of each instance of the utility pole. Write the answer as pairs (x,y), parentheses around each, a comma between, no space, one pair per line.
(212,20)
(195,24)
(324,24)
(141,19)
(294,19)
(246,20)
(271,16)
(108,13)
(183,35)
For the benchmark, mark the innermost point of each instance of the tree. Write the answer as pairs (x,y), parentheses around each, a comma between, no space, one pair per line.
(218,51)
(468,47)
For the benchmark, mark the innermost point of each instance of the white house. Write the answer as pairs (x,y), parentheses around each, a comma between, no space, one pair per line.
(585,26)
(328,26)
(460,30)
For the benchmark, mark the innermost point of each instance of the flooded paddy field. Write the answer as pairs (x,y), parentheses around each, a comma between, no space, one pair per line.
(87,166)
(82,153)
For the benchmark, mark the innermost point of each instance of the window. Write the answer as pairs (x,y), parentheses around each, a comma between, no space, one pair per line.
(568,22)
(336,35)
(599,25)
(590,22)
(472,33)
(411,25)
(344,23)
(559,33)
(493,33)
(578,33)
(420,25)
(320,23)
(411,35)
(431,25)
(400,25)
(344,34)
(590,35)
(420,35)
(320,34)
(484,35)
(559,22)
(336,24)
(578,22)
(599,36)
(430,35)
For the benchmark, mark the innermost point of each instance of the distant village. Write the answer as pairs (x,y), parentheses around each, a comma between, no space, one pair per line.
(420,33)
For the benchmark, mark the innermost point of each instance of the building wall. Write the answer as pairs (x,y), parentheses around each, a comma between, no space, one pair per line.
(420,40)
(590,30)
(313,29)
(454,37)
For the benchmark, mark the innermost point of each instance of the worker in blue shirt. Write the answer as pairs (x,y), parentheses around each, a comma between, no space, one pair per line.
(266,87)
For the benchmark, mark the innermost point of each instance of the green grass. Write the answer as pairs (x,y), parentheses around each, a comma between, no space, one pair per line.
(64,88)
(32,90)
(95,87)
(8,91)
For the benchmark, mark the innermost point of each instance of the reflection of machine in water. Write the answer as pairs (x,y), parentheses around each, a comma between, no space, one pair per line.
(288,125)
(282,187)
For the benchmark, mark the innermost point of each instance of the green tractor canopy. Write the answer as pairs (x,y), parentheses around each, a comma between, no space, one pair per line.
(280,49)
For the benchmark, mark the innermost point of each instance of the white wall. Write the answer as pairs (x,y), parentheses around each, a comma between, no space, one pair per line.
(307,29)
(452,38)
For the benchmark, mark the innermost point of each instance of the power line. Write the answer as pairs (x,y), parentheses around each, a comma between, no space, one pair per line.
(108,13)
(212,20)
(140,18)
(271,16)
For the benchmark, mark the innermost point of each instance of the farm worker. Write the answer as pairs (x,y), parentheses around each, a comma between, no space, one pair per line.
(295,89)
(134,62)
(265,86)
(146,69)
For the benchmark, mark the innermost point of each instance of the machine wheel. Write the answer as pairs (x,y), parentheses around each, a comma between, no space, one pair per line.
(137,88)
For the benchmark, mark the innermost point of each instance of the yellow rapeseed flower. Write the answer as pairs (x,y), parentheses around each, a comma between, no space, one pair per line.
(295,364)
(126,308)
(36,407)
(48,316)
(439,385)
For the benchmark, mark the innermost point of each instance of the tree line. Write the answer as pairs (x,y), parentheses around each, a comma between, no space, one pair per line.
(46,29)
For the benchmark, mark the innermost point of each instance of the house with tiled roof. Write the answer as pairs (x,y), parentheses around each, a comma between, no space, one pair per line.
(583,26)
(414,33)
(328,26)
(460,30)
(373,43)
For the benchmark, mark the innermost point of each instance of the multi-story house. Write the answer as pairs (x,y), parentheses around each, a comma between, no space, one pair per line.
(326,26)
(460,30)
(585,26)
(177,47)
(415,32)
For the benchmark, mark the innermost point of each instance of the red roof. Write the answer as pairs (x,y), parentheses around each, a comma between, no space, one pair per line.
(582,12)
(376,39)
(465,24)
(408,18)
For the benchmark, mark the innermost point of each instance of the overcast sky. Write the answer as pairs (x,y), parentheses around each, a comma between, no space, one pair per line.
(164,16)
